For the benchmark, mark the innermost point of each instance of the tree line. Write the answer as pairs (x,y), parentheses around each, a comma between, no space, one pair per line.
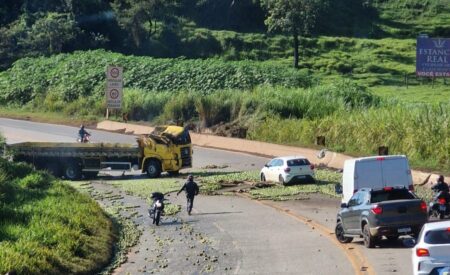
(155,27)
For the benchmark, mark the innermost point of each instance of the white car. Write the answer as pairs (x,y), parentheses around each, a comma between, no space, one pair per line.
(287,170)
(431,254)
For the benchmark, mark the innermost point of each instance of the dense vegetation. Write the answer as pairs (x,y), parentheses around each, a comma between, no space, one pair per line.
(47,227)
(158,28)
(330,95)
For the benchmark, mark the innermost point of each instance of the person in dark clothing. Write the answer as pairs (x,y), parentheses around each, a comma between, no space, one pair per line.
(441,185)
(83,133)
(191,189)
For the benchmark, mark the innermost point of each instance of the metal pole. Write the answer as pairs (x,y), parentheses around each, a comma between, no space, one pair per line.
(107,113)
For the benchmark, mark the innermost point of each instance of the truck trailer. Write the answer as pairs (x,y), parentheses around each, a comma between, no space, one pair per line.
(166,149)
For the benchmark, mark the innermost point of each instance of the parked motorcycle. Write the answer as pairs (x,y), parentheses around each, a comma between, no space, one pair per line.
(157,209)
(440,207)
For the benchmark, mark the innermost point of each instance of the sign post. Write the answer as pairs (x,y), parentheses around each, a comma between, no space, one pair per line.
(114,88)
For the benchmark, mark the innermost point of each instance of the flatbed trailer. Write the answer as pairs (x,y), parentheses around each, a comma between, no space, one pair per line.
(168,149)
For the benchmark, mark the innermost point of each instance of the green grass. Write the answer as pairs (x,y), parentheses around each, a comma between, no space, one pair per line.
(48,227)
(211,182)
(145,187)
(415,94)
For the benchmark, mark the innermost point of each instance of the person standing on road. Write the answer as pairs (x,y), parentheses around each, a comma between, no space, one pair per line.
(191,189)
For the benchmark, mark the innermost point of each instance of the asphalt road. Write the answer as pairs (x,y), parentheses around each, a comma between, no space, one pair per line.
(259,239)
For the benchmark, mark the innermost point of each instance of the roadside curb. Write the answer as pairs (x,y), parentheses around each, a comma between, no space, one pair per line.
(258,148)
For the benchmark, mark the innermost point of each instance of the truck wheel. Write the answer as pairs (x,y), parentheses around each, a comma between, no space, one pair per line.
(153,169)
(339,232)
(72,171)
(369,240)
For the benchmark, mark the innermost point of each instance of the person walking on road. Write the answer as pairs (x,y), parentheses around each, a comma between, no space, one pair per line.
(191,189)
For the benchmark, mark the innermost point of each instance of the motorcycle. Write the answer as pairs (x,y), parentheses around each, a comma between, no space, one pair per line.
(440,207)
(86,138)
(157,209)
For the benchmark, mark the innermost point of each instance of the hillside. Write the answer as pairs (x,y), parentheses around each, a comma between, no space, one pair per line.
(198,29)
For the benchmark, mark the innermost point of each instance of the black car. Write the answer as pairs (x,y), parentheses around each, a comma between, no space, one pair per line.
(372,213)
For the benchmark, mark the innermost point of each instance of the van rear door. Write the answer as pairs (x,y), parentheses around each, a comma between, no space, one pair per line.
(368,174)
(396,172)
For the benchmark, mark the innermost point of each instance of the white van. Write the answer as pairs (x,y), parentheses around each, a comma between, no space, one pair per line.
(375,172)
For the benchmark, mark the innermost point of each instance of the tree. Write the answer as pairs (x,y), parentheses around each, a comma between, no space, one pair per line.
(51,32)
(138,17)
(295,17)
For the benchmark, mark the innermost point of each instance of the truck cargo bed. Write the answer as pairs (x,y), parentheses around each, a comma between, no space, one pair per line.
(57,149)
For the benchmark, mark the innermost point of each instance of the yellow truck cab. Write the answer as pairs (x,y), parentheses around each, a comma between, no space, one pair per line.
(166,149)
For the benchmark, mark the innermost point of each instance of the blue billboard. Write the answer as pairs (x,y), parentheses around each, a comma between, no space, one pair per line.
(433,57)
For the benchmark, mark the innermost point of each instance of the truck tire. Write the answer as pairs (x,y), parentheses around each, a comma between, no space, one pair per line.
(153,168)
(339,232)
(369,240)
(72,171)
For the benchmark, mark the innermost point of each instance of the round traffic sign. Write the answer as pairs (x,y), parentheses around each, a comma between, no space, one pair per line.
(114,72)
(114,94)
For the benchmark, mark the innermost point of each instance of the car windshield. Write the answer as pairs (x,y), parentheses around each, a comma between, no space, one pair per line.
(395,194)
(440,236)
(297,162)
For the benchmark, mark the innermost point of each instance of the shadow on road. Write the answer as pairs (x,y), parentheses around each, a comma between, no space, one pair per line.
(384,243)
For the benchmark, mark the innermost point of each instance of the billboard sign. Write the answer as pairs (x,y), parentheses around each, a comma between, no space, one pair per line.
(433,57)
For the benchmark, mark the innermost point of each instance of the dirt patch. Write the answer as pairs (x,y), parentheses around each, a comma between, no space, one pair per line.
(231,129)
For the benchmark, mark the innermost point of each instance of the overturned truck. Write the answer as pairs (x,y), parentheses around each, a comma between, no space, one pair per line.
(166,149)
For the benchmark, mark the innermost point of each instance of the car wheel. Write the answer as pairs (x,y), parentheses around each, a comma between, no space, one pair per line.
(369,240)
(281,180)
(263,177)
(339,232)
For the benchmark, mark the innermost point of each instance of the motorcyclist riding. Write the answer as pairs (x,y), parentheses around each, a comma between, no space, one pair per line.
(83,134)
(441,185)
(440,205)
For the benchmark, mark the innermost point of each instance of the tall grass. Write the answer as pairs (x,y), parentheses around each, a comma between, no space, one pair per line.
(229,105)
(422,132)
(47,227)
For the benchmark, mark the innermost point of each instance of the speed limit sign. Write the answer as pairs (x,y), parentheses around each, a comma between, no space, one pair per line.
(113,98)
(114,87)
